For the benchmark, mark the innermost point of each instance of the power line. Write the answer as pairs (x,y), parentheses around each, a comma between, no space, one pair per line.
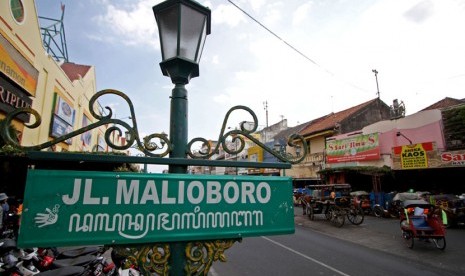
(278,37)
(294,48)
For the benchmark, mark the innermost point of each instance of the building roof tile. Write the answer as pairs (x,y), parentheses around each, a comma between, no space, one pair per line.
(75,71)
(329,121)
(446,102)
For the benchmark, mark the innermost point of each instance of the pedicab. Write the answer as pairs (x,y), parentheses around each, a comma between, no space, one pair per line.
(419,221)
(332,200)
(452,205)
(361,199)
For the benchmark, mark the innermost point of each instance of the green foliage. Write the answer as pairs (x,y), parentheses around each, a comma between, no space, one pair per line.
(454,127)
(369,170)
(10,129)
(10,150)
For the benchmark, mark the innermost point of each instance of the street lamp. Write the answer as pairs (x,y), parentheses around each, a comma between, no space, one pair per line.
(401,134)
(183,26)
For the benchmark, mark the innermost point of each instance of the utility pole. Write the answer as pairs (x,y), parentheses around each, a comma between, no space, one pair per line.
(376,77)
(265,106)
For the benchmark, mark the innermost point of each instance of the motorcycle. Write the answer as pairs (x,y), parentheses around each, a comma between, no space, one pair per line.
(11,221)
(123,266)
(28,262)
(90,258)
(15,261)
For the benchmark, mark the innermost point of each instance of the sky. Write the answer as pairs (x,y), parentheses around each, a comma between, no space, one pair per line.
(296,60)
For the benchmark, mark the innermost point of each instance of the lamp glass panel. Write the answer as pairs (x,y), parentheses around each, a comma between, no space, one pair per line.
(202,42)
(192,33)
(168,24)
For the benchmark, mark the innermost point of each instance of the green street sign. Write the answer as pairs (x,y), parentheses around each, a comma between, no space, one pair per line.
(66,208)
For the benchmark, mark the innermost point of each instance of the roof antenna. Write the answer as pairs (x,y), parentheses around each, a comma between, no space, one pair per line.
(265,107)
(376,77)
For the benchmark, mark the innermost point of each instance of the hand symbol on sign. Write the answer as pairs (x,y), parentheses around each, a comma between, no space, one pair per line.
(50,217)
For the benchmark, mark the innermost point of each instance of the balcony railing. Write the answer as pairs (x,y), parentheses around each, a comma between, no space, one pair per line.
(313,159)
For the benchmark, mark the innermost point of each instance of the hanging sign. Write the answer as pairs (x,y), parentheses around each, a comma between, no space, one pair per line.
(66,208)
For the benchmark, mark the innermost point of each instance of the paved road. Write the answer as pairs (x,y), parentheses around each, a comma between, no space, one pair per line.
(373,248)
(384,234)
(311,253)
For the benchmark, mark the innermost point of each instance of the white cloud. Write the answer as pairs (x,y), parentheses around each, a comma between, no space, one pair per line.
(301,13)
(134,24)
(215,59)
(256,4)
(227,14)
(417,48)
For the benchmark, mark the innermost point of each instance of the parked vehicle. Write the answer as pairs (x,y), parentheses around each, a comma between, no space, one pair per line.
(419,221)
(452,205)
(11,219)
(361,199)
(15,261)
(392,203)
(125,266)
(88,257)
(332,200)
(52,261)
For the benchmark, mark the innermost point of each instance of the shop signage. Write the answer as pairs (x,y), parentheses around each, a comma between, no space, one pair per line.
(64,111)
(453,158)
(357,148)
(66,208)
(60,128)
(16,67)
(12,97)
(415,156)
(86,137)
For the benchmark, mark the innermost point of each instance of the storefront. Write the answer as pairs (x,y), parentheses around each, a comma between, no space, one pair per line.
(423,167)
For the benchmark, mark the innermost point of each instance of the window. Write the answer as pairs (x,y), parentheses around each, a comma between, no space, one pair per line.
(17,10)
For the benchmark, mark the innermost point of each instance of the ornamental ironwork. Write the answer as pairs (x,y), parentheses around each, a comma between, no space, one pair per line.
(157,144)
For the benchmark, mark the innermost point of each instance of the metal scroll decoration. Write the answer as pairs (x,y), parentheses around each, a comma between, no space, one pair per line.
(155,145)
(149,259)
(201,255)
(239,135)
(154,259)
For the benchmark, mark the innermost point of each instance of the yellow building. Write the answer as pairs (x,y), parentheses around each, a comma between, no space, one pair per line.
(29,77)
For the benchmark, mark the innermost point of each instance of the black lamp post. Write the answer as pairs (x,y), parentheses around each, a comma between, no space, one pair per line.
(183,26)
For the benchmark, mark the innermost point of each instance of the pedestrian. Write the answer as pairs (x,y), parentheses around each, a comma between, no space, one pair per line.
(306,198)
(5,208)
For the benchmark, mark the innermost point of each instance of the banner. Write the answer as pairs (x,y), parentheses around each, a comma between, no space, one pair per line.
(453,158)
(357,148)
(16,67)
(415,156)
